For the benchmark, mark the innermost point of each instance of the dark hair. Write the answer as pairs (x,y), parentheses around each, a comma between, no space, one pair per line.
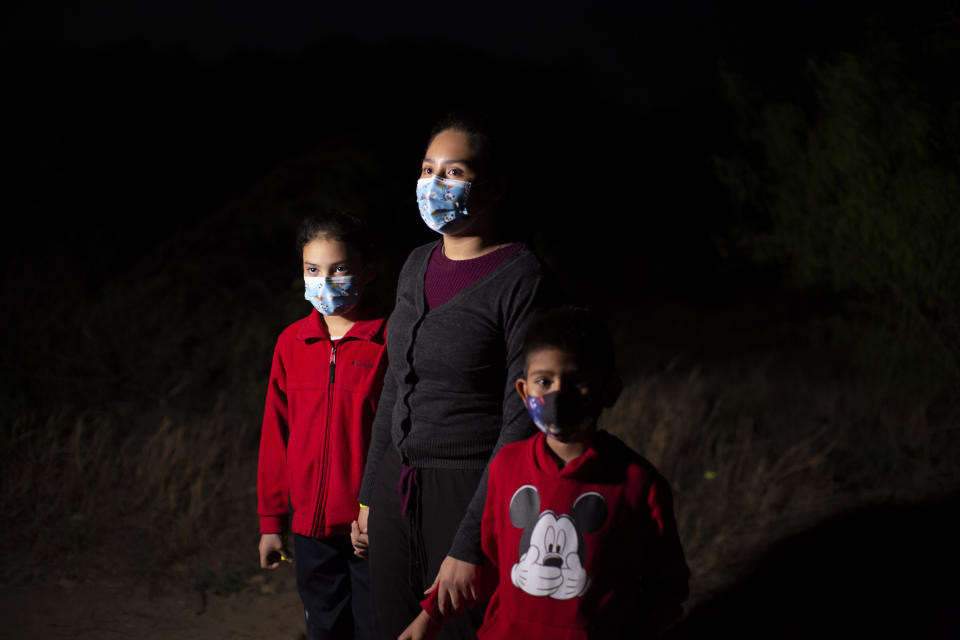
(345,227)
(577,331)
(481,132)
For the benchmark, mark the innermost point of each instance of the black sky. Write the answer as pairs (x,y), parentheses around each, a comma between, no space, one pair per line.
(118,113)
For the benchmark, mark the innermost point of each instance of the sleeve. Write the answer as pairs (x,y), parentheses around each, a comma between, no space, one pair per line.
(667,579)
(490,576)
(271,468)
(431,604)
(380,437)
(516,425)
(379,434)
(488,522)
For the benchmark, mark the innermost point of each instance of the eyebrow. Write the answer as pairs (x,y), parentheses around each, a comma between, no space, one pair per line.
(540,372)
(332,264)
(433,160)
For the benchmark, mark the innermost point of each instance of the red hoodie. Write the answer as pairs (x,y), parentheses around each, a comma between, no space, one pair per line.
(589,550)
(320,404)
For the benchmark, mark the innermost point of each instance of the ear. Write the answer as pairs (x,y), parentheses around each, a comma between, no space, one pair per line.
(524,506)
(522,389)
(612,390)
(589,512)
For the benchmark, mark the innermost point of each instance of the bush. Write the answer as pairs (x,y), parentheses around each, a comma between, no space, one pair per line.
(854,190)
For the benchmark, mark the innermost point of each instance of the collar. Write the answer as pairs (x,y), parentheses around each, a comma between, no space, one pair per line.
(370,327)
(582,465)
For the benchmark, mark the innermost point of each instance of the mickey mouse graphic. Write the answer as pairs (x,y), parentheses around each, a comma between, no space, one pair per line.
(552,549)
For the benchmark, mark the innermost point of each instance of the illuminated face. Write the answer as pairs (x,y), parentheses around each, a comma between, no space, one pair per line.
(326,257)
(333,276)
(449,156)
(563,400)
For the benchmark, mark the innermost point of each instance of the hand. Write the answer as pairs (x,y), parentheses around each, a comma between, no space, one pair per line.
(457,583)
(423,627)
(535,578)
(272,543)
(575,580)
(358,533)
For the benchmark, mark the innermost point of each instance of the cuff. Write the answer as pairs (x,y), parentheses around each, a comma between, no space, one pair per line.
(472,553)
(364,496)
(431,604)
(273,524)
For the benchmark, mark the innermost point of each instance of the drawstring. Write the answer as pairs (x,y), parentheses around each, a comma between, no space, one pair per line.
(411,509)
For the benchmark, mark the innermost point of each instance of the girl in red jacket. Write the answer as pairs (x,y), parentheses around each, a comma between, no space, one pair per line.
(324,385)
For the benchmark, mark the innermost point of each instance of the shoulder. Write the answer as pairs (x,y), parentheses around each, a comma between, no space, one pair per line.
(522,280)
(414,268)
(293,330)
(419,256)
(526,262)
(527,281)
(640,472)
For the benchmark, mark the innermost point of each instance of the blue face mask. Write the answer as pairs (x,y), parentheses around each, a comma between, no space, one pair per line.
(442,201)
(331,296)
(563,415)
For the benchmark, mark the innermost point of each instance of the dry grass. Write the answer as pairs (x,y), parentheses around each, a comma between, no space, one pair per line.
(158,496)
(755,451)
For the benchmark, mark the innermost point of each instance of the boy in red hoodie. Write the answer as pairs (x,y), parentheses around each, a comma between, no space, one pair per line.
(324,385)
(578,529)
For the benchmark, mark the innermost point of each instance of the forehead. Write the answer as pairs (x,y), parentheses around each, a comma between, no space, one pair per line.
(550,359)
(450,144)
(326,248)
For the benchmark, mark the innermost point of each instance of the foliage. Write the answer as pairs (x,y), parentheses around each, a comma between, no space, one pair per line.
(854,188)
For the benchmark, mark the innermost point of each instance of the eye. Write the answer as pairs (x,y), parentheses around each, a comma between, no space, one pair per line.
(542,382)
(312,270)
(455,172)
(341,268)
(426,171)
(561,541)
(549,538)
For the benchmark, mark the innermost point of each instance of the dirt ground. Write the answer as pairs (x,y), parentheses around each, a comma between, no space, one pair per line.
(266,607)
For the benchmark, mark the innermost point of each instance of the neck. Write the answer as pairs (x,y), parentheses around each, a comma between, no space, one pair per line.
(567,451)
(468,247)
(338,325)
(480,238)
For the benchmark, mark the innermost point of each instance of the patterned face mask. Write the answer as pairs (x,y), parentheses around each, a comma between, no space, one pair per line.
(331,296)
(562,415)
(442,201)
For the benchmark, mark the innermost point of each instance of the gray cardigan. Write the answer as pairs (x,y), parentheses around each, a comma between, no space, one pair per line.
(448,399)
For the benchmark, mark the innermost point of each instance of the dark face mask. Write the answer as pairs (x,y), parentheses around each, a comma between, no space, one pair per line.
(562,414)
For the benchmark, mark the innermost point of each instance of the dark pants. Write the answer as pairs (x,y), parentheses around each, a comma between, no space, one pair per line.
(398,581)
(334,586)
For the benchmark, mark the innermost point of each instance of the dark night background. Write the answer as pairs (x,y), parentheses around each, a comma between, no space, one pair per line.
(683,167)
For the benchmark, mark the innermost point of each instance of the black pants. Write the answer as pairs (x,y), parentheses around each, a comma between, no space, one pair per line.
(397,590)
(334,586)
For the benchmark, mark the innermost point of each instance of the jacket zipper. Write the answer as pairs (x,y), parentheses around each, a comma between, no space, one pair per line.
(325,454)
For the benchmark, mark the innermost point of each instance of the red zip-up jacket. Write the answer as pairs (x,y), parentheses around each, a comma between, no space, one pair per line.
(321,400)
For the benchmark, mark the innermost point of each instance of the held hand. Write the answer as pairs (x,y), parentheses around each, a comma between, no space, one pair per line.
(423,627)
(358,533)
(271,551)
(457,583)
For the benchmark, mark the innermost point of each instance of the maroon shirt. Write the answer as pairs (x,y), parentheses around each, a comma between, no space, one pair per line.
(446,278)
